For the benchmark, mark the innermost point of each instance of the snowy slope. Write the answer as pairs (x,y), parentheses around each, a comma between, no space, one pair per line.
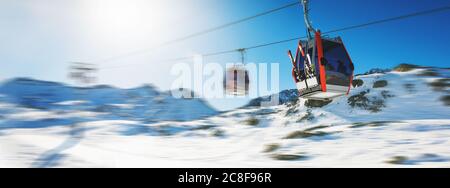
(405,123)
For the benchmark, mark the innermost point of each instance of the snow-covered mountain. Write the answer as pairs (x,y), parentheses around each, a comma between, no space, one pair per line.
(284,97)
(399,118)
(143,103)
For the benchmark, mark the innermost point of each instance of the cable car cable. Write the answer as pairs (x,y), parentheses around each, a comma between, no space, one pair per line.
(421,13)
(376,22)
(199,33)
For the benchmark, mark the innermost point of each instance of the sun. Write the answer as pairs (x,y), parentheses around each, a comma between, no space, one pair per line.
(126,22)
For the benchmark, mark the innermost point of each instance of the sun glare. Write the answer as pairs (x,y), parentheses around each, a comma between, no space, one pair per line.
(126,22)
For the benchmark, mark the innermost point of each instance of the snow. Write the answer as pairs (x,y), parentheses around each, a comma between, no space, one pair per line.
(68,103)
(412,124)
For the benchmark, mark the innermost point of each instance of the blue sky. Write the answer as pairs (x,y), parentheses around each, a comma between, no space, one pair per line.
(38,38)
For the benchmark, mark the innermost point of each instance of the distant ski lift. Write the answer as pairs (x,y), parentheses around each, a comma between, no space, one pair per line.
(322,68)
(82,72)
(236,79)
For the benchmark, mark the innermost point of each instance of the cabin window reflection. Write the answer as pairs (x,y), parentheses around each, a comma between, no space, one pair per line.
(337,63)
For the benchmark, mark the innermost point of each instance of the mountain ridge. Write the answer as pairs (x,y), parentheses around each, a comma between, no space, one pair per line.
(142,101)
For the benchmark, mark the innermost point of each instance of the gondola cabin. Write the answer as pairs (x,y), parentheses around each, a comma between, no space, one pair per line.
(236,81)
(322,68)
